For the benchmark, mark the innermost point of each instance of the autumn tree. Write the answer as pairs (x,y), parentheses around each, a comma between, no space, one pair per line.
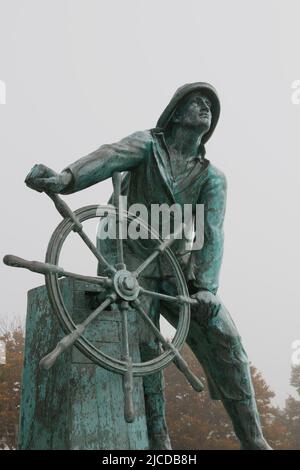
(292,410)
(10,385)
(272,418)
(197,422)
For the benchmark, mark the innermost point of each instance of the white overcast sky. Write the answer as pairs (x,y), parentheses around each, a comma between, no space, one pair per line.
(82,73)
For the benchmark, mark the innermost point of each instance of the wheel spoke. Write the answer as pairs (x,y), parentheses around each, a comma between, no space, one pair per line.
(125,340)
(94,250)
(181,365)
(67,213)
(167,345)
(106,281)
(129,413)
(117,178)
(158,250)
(48,268)
(70,339)
(137,304)
(111,298)
(169,298)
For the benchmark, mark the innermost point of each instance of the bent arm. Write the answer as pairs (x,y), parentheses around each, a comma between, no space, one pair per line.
(101,164)
(205,264)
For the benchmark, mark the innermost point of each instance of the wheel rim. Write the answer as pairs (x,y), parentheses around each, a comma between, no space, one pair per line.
(86,347)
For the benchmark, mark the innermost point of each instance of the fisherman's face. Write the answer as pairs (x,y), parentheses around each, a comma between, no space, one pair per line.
(195,112)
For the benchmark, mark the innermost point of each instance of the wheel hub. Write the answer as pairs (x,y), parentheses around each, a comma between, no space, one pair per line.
(126,285)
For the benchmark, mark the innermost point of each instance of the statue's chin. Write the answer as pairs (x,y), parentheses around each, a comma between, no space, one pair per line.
(202,126)
(205,125)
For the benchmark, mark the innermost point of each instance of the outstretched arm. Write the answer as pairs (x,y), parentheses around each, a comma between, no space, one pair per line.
(95,167)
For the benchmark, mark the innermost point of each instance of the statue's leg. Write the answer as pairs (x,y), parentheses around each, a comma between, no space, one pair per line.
(155,403)
(218,347)
(246,423)
(154,383)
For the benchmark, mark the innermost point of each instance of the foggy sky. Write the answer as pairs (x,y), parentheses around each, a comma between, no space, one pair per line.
(80,74)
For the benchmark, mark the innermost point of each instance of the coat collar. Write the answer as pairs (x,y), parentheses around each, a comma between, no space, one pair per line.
(182,182)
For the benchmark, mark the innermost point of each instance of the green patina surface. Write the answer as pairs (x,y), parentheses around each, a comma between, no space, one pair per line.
(68,407)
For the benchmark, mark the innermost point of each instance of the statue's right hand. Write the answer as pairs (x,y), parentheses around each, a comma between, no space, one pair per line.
(41,178)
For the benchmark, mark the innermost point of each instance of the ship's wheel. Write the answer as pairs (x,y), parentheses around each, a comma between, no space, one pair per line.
(122,290)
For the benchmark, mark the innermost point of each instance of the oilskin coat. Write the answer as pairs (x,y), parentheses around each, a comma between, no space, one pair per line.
(148,180)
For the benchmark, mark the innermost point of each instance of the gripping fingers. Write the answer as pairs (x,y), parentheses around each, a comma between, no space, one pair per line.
(208,308)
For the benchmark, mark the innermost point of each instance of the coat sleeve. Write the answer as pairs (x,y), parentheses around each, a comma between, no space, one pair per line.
(205,264)
(103,162)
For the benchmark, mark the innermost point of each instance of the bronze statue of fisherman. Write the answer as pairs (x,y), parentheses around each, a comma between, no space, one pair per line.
(167,164)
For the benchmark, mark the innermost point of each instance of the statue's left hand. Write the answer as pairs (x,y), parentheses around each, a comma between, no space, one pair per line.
(209,302)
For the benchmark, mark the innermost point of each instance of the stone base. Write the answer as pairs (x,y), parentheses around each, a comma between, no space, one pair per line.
(77,404)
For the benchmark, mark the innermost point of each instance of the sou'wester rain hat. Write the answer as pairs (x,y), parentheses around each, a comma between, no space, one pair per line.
(181,94)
